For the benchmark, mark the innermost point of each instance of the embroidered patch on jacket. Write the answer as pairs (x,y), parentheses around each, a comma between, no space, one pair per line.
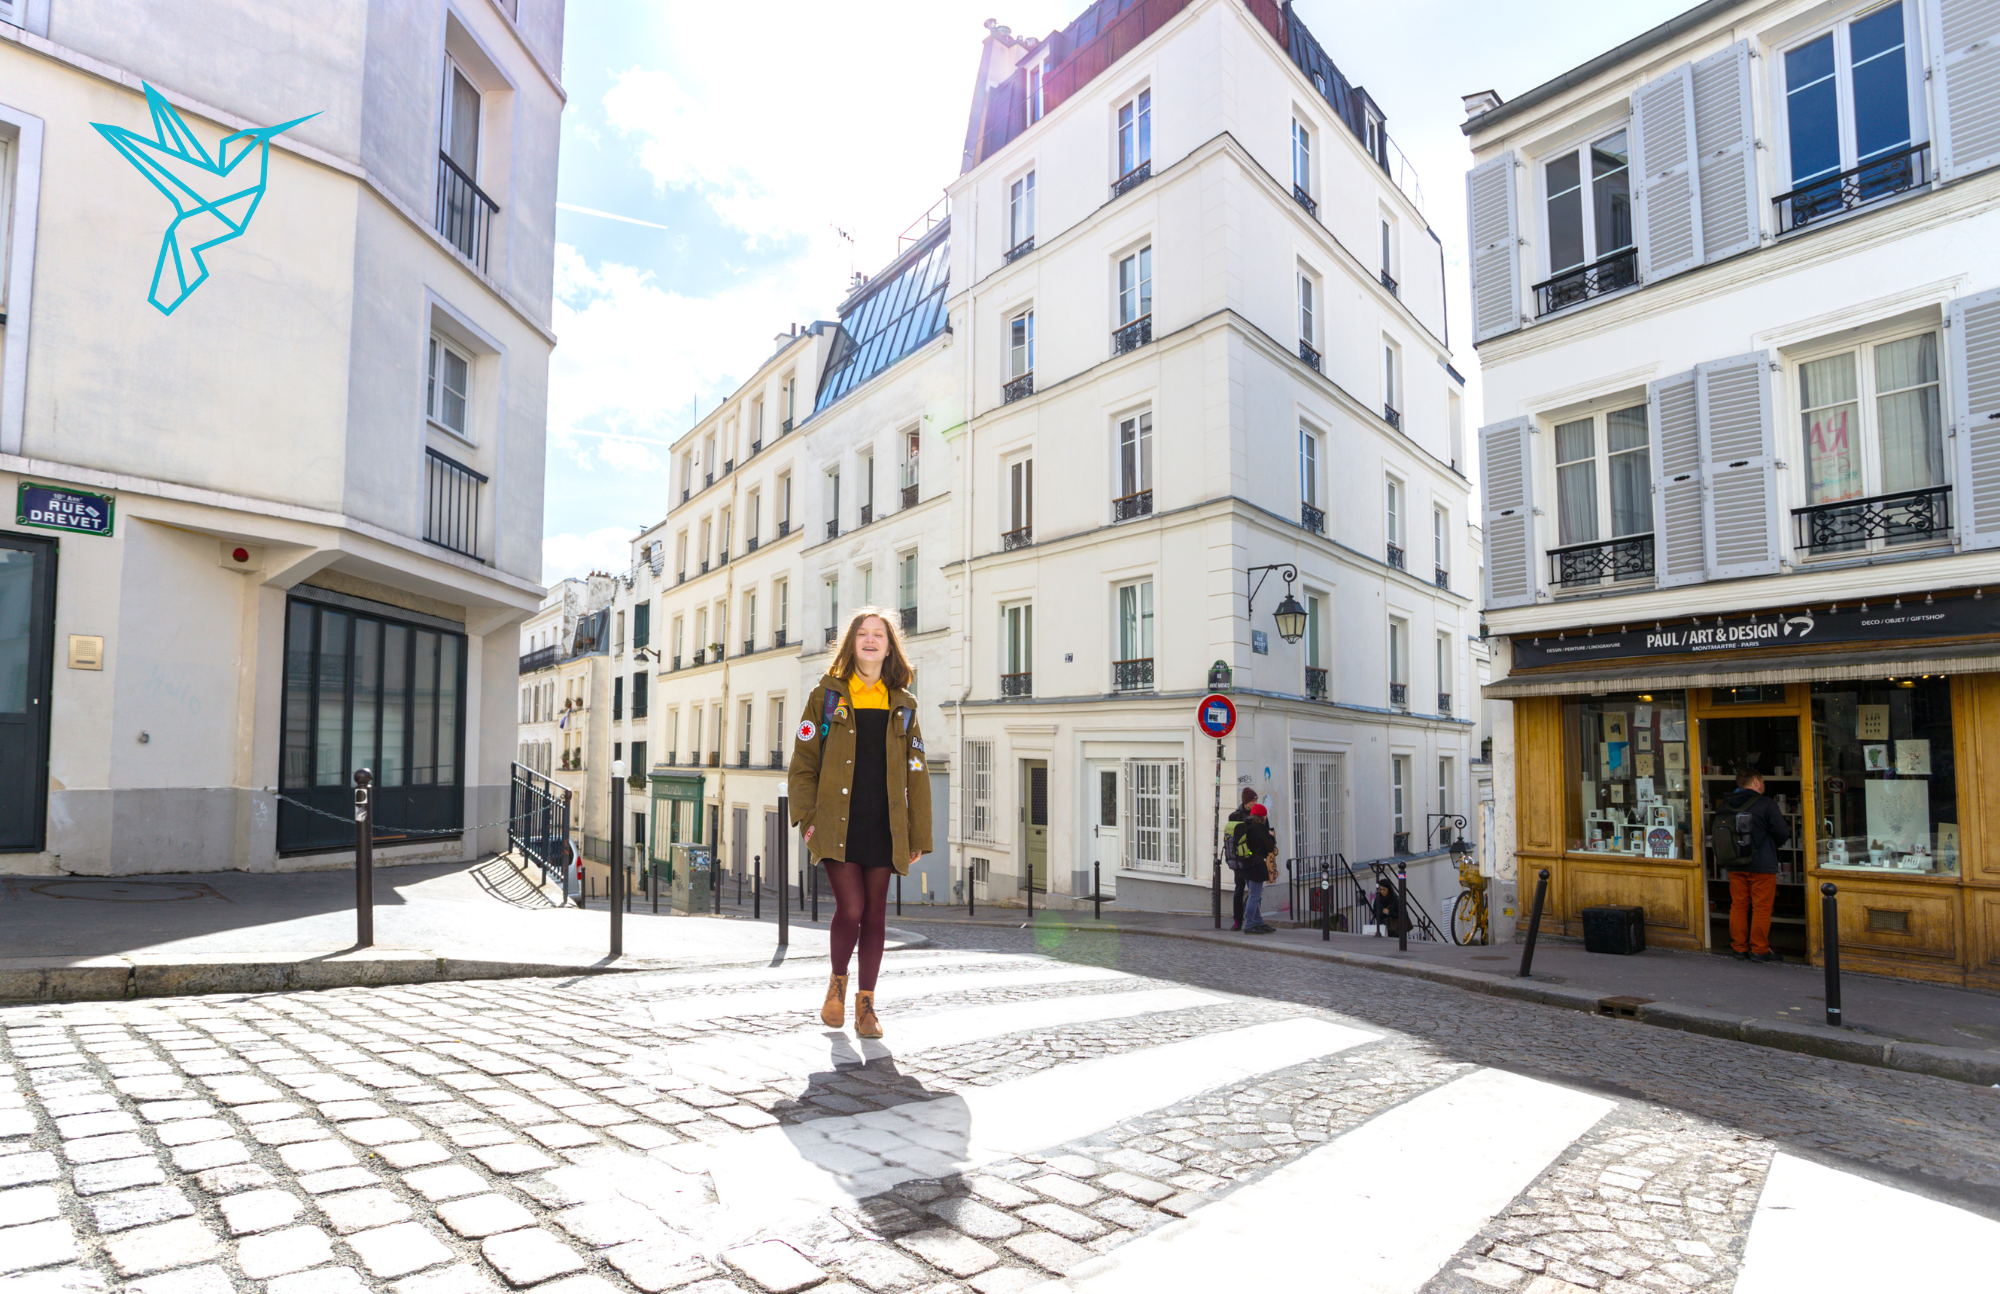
(916,763)
(806,730)
(916,743)
(840,713)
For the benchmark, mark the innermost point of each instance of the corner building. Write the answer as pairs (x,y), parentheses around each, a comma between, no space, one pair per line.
(1737,298)
(1201,329)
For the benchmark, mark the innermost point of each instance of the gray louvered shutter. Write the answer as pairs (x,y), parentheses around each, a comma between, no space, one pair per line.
(1496,252)
(1125,837)
(1965,73)
(1739,465)
(1975,417)
(1507,468)
(1667,197)
(1680,521)
(1726,153)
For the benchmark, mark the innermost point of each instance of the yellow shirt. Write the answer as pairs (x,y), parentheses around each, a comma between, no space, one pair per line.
(867,696)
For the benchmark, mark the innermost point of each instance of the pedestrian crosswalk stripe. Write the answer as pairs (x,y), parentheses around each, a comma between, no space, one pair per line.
(802,967)
(1819,1229)
(1404,1215)
(710,1006)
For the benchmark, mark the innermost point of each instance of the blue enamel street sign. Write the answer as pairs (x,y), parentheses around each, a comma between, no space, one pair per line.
(51,508)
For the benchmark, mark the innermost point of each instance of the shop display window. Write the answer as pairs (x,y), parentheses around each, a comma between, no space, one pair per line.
(1888,782)
(1629,780)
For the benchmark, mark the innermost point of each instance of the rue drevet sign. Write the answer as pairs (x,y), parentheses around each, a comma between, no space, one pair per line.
(51,508)
(1842,622)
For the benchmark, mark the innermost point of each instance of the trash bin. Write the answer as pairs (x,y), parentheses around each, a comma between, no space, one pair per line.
(693,866)
(1614,930)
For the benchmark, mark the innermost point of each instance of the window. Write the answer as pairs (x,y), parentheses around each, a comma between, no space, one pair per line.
(1625,745)
(1316,634)
(1440,527)
(750,624)
(1309,466)
(1399,803)
(1455,416)
(1021,210)
(639,695)
(700,631)
(1444,793)
(1390,387)
(1134,667)
(1154,815)
(1446,675)
(1017,639)
(913,444)
(785,503)
(832,493)
(780,595)
(527,705)
(1392,520)
(1388,250)
(722,536)
(1301,157)
(867,586)
(619,643)
(707,533)
(1399,662)
(1135,133)
(756,522)
(677,641)
(745,730)
(1306,333)
(775,707)
(1319,796)
(979,790)
(447,386)
(867,467)
(906,585)
(638,766)
(1135,286)
(1848,103)
(681,548)
(1021,345)
(1035,92)
(1873,425)
(695,716)
(1020,502)
(832,608)
(458,137)
(1589,207)
(1135,464)
(642,624)
(791,400)
(673,733)
(1619,487)
(618,698)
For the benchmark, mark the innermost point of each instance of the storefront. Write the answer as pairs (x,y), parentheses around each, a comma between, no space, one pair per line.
(1877,733)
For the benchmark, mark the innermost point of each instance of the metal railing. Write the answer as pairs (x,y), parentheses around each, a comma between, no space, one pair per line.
(451,505)
(1444,703)
(538,822)
(715,759)
(1872,181)
(777,759)
(1313,519)
(1905,517)
(1138,504)
(1022,684)
(749,646)
(778,639)
(1315,683)
(867,513)
(750,544)
(1304,199)
(832,634)
(1626,558)
(708,480)
(1399,694)
(540,658)
(1018,250)
(908,616)
(1018,388)
(1396,558)
(680,577)
(1132,675)
(1132,179)
(1391,416)
(833,529)
(1572,287)
(464,213)
(1389,282)
(784,528)
(1132,336)
(756,446)
(1020,537)
(1328,891)
(743,759)
(701,656)
(704,566)
(1441,577)
(1309,355)
(677,665)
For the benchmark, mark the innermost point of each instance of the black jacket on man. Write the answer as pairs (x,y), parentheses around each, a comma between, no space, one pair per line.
(1768,829)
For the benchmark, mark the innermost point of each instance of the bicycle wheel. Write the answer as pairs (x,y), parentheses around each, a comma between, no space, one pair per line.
(1464,920)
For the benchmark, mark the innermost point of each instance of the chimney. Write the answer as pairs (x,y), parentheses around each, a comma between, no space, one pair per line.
(1481,102)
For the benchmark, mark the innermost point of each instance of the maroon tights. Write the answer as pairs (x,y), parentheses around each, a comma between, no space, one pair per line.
(860,913)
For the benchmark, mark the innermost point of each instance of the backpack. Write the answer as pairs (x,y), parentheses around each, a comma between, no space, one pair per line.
(1729,835)
(1242,851)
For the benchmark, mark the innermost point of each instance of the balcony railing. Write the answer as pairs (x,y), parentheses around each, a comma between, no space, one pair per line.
(1442,578)
(451,505)
(1444,703)
(1389,282)
(1304,199)
(1022,684)
(704,566)
(908,615)
(1313,519)
(1580,565)
(1309,355)
(715,759)
(1905,517)
(1872,181)
(910,495)
(1132,179)
(1018,250)
(1392,417)
(680,577)
(1315,683)
(673,757)
(785,427)
(832,634)
(833,529)
(701,656)
(1020,537)
(1132,675)
(540,658)
(1139,504)
(750,544)
(742,759)
(722,557)
(784,528)
(1133,335)
(464,213)
(778,639)
(756,447)
(867,513)
(708,479)
(684,496)
(1399,694)
(728,466)
(677,665)
(1019,388)
(777,759)
(749,646)
(1571,287)
(1396,558)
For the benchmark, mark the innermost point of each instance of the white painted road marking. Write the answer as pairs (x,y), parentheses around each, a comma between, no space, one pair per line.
(893,989)
(1830,1232)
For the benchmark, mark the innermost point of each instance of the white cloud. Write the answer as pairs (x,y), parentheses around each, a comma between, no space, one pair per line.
(608,550)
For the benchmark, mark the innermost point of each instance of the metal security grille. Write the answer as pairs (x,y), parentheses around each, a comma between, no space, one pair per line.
(1154,816)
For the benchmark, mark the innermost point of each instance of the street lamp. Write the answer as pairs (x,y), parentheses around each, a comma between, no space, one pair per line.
(1291,617)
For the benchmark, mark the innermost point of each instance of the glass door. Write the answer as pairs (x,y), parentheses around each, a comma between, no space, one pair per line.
(1766,741)
(27,642)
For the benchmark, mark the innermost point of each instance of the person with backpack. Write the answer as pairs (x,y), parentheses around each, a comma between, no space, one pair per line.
(1240,814)
(1384,908)
(1744,836)
(1256,850)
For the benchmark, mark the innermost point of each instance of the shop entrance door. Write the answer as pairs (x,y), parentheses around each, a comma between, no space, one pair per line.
(1107,849)
(1768,744)
(27,638)
(1035,821)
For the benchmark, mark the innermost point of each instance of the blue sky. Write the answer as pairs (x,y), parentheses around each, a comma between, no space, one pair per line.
(780,147)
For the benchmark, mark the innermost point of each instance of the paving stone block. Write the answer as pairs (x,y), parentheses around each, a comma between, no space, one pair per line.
(445,1183)
(473,1135)
(123,1210)
(34,1166)
(973,1218)
(287,1132)
(398,1250)
(585,1284)
(264,1210)
(484,1215)
(530,1256)
(241,1091)
(663,1264)
(281,1252)
(459,1278)
(209,1154)
(311,1157)
(116,1175)
(1007,1280)
(38,1244)
(1050,1251)
(880,1267)
(348,1211)
(25,1204)
(949,1251)
(320,1280)
(642,1136)
(1122,1212)
(380,1132)
(187,1132)
(1005,1194)
(412,1154)
(562,1136)
(170,1244)
(1183,1204)
(341,1111)
(776,1267)
(1139,1188)
(1141,1163)
(91,1150)
(1074,1165)
(1065,1222)
(513,1158)
(744,1116)
(336,1179)
(207,1279)
(93,1125)
(169,1111)
(1066,1189)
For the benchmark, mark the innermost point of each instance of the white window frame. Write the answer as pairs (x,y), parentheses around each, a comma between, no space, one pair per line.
(1302,156)
(1309,465)
(1316,653)
(1399,651)
(1916,77)
(1021,344)
(750,619)
(1021,493)
(1133,140)
(1395,501)
(907,578)
(1136,624)
(755,510)
(1399,791)
(1599,416)
(1308,302)
(446,122)
(1586,197)
(1389,248)
(978,810)
(1033,86)
(1867,397)
(1445,671)
(1392,374)
(437,387)
(832,588)
(1021,210)
(1134,286)
(1155,816)
(1017,638)
(1445,777)
(1134,445)
(1441,539)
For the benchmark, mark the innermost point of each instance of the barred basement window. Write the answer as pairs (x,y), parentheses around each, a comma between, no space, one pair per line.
(1154,816)
(979,790)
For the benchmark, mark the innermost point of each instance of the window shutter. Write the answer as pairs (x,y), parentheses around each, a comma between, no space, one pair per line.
(1965,45)
(1680,528)
(1170,812)
(1496,251)
(1668,191)
(1726,153)
(1975,423)
(1739,465)
(1507,466)
(1125,837)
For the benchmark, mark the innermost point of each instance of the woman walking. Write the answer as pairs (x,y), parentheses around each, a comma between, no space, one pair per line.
(859,788)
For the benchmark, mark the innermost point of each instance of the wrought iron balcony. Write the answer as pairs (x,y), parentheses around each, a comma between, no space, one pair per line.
(742,759)
(756,446)
(708,479)
(1399,695)
(451,505)
(1389,282)
(1872,181)
(1309,355)
(1022,684)
(833,529)
(1304,199)
(1443,578)
(677,665)
(1132,675)
(1905,517)
(1019,388)
(1392,417)
(1581,565)
(910,496)
(1572,287)
(867,513)
(684,496)
(832,634)
(784,528)
(778,638)
(1315,683)
(680,577)
(728,466)
(464,213)
(1018,250)
(749,646)
(908,615)
(777,759)
(1132,179)
(715,759)
(785,426)
(704,566)
(722,558)
(1396,558)
(673,757)
(1133,335)
(1020,537)
(750,544)
(1132,505)
(1313,519)
(540,658)
(1444,703)
(701,656)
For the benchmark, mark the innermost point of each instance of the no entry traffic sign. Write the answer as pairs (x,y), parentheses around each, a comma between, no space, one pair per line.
(1216,716)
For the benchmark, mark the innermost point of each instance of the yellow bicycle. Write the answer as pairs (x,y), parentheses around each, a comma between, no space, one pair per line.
(1468,912)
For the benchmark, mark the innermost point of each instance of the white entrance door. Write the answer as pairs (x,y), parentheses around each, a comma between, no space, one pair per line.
(1106,848)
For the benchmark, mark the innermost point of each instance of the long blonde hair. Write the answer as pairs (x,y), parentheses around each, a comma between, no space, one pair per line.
(896,670)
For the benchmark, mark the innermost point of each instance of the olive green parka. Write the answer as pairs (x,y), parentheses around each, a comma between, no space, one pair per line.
(822,774)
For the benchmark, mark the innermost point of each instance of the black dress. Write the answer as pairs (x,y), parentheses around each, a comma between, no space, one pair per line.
(869,842)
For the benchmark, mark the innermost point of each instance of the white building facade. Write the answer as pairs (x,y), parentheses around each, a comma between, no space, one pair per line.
(283,521)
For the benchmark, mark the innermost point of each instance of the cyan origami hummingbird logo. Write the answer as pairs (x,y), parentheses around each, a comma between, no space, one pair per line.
(175,163)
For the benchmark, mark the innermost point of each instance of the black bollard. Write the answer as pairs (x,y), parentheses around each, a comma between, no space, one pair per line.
(1031,894)
(781,864)
(899,894)
(1097,890)
(1215,882)
(756,887)
(617,869)
(1325,905)
(815,885)
(971,909)
(1402,908)
(364,859)
(1829,921)
(1534,924)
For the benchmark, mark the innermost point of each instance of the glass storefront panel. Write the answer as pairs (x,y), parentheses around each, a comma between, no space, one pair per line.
(1628,783)
(1887,776)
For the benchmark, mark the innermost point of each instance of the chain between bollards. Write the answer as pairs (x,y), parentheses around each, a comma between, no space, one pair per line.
(364,859)
(1829,924)
(1534,924)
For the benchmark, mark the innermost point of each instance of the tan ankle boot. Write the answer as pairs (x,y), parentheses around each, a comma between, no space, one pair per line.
(865,1023)
(834,1013)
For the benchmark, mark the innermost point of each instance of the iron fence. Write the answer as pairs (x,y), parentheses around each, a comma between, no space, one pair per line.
(451,504)
(464,213)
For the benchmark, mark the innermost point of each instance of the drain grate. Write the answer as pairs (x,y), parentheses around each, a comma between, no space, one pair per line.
(1623,1008)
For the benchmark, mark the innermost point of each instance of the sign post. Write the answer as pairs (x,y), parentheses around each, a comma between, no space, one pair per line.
(1217,718)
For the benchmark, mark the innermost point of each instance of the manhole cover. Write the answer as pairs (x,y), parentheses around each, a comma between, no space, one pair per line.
(120,891)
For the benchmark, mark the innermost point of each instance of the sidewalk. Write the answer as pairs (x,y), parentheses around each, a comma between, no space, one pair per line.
(146,936)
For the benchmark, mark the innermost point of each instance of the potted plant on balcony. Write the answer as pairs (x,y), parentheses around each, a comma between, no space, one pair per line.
(715,651)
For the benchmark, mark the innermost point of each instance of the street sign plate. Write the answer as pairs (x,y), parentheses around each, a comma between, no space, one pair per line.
(1217,716)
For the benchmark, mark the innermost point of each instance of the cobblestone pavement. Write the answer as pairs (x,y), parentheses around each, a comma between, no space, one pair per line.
(457,1138)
